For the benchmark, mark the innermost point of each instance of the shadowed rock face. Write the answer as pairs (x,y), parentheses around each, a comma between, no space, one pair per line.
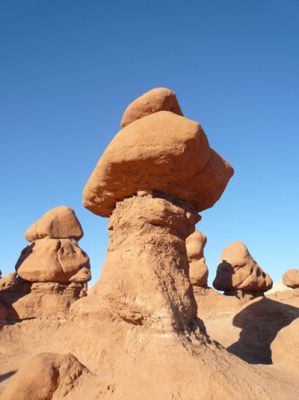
(161,151)
(8,282)
(198,270)
(238,271)
(260,321)
(291,278)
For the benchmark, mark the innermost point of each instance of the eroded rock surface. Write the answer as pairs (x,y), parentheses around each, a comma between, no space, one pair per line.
(198,270)
(58,223)
(160,151)
(147,263)
(54,260)
(158,99)
(52,271)
(285,346)
(44,377)
(238,271)
(291,278)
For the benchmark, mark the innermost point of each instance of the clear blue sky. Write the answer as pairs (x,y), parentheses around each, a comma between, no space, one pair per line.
(68,68)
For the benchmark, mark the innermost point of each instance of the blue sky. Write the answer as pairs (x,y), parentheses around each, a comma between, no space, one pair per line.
(69,68)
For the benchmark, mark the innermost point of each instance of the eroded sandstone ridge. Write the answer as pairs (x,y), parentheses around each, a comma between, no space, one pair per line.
(239,273)
(51,272)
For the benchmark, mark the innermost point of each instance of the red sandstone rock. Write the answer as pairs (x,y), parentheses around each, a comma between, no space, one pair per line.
(239,271)
(164,152)
(8,282)
(44,376)
(146,263)
(59,223)
(47,299)
(198,270)
(285,346)
(53,260)
(291,278)
(158,99)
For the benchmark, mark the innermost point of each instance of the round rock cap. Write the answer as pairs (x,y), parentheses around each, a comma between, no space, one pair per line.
(58,223)
(158,99)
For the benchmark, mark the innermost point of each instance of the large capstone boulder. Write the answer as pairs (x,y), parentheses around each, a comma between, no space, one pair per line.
(165,152)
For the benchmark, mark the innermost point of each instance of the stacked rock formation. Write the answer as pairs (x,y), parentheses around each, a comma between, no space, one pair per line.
(238,273)
(138,332)
(52,272)
(198,270)
(154,177)
(291,278)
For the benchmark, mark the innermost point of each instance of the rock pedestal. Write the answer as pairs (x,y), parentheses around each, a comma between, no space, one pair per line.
(147,264)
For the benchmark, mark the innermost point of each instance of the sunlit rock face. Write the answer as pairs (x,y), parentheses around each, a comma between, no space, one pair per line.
(238,271)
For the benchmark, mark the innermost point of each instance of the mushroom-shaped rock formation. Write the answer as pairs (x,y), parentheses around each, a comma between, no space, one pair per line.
(162,152)
(54,254)
(52,272)
(158,99)
(198,270)
(144,305)
(291,278)
(238,271)
(45,376)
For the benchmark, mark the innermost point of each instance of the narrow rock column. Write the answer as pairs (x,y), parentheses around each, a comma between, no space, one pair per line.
(145,277)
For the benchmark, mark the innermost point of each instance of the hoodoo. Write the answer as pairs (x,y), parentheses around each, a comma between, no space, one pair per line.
(137,334)
(198,270)
(52,271)
(239,273)
(291,278)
